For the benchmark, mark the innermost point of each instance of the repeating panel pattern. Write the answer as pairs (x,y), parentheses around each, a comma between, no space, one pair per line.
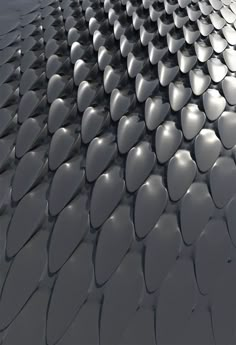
(117,173)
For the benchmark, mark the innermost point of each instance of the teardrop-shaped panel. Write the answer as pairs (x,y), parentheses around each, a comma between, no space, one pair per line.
(150,203)
(71,226)
(62,144)
(100,153)
(66,182)
(207,149)
(27,218)
(139,164)
(227,128)
(114,241)
(223,181)
(129,130)
(162,248)
(192,120)
(107,193)
(167,141)
(156,110)
(196,208)
(28,171)
(180,174)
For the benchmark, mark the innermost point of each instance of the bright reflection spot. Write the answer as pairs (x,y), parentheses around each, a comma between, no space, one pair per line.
(106,175)
(127,122)
(166,132)
(138,151)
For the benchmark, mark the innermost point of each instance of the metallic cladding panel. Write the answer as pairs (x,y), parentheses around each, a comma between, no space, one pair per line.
(117,172)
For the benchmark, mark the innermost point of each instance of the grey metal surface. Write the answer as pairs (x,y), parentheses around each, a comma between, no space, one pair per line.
(117,172)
